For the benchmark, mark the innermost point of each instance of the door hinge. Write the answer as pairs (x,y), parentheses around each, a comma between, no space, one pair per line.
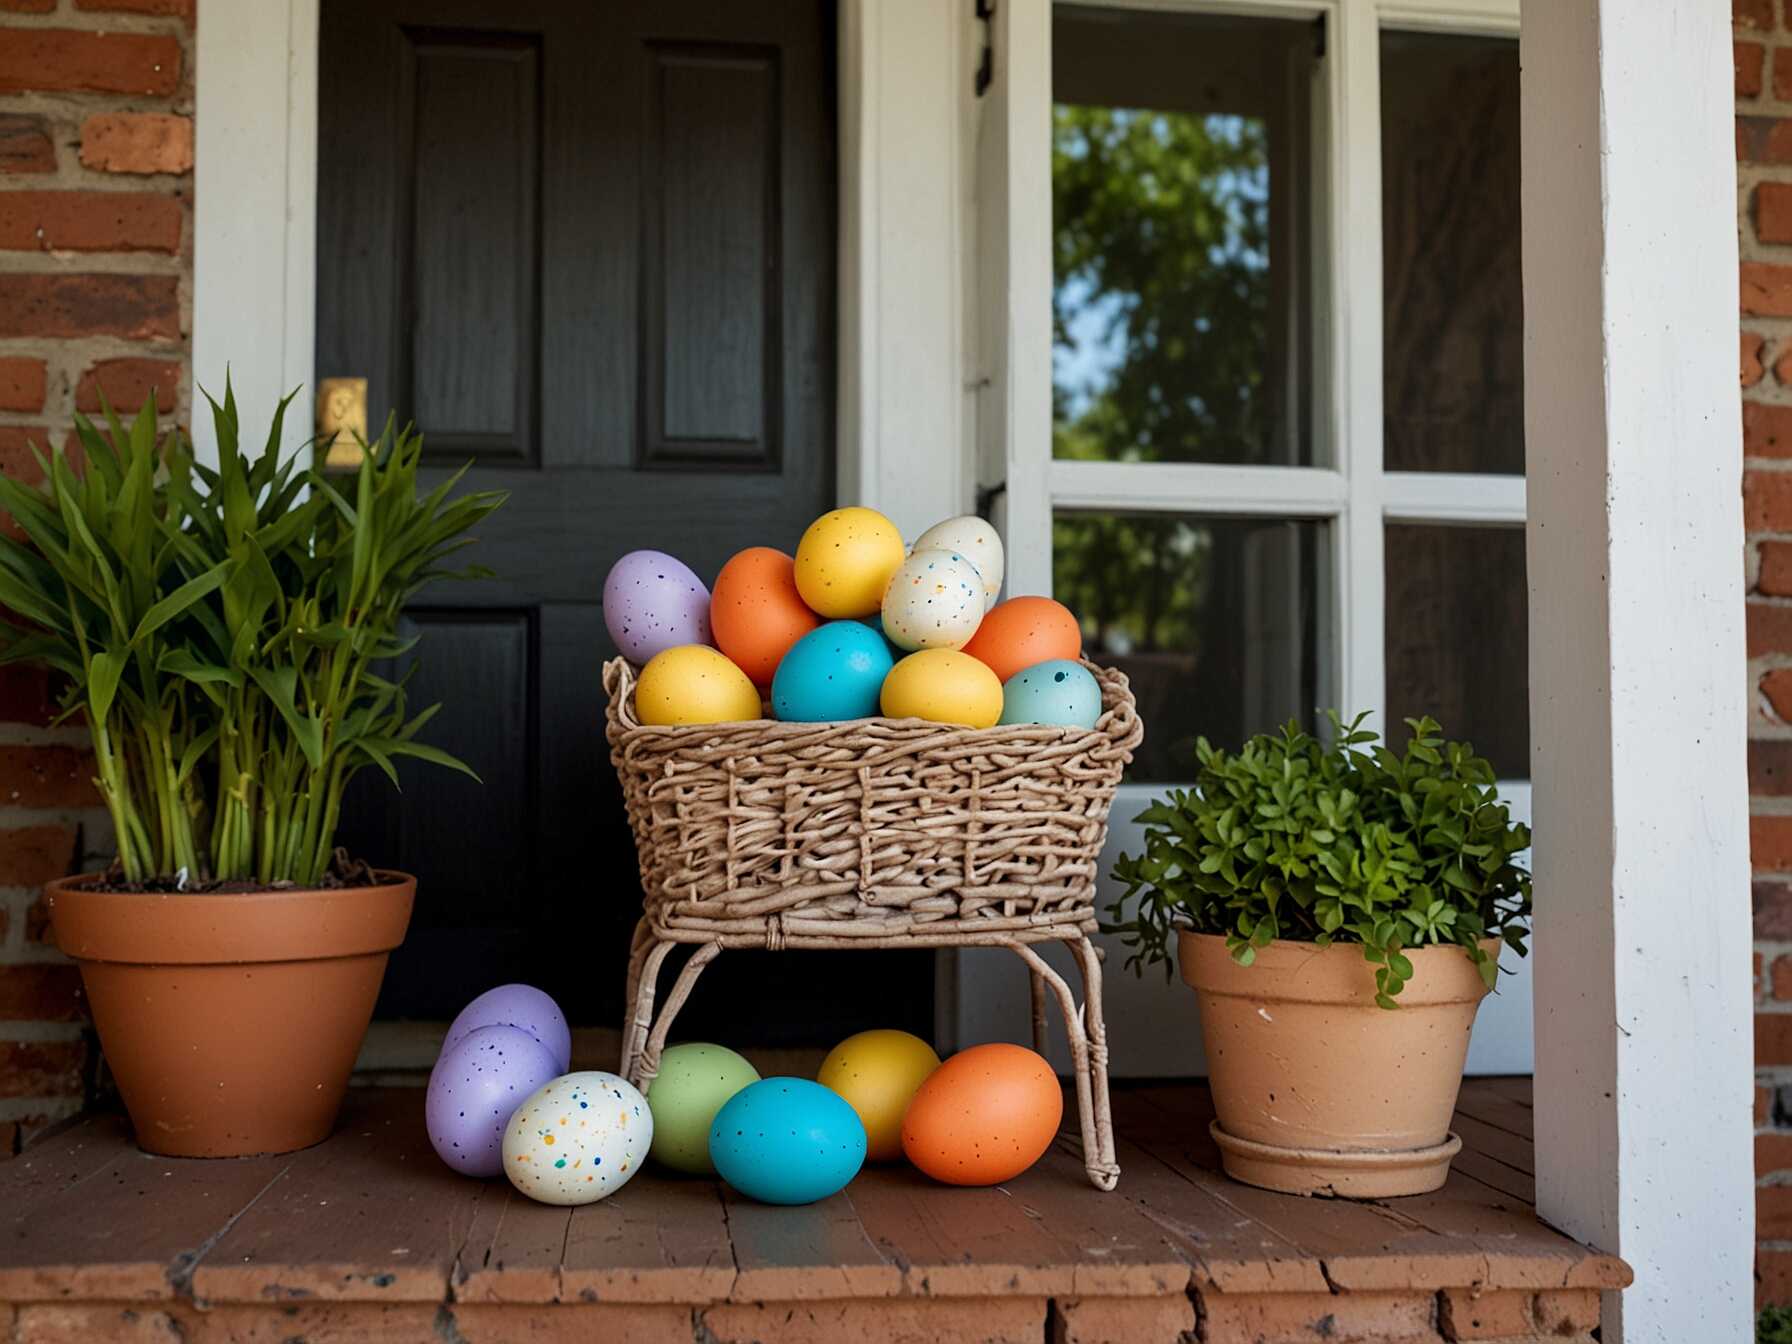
(986,62)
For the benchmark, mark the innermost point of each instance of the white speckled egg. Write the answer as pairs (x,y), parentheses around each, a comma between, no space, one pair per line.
(934,601)
(579,1138)
(977,541)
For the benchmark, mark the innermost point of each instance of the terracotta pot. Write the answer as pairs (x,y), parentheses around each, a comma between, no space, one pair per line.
(1316,1090)
(231,1022)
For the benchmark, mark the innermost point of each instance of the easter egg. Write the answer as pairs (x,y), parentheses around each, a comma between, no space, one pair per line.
(756,613)
(877,1073)
(516,1006)
(944,686)
(694,684)
(475,1088)
(694,1082)
(833,673)
(652,602)
(1056,691)
(984,1116)
(580,1137)
(977,540)
(787,1141)
(875,621)
(934,601)
(844,562)
(1022,631)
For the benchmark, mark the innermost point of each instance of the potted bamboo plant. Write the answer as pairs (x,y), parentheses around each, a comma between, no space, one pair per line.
(222,631)
(1339,910)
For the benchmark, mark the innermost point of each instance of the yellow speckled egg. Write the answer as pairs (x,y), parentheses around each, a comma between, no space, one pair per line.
(878,1073)
(845,560)
(694,683)
(934,601)
(944,686)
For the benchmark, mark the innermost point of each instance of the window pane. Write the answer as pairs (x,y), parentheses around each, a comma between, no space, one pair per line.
(1452,342)
(1213,619)
(1180,170)
(1458,647)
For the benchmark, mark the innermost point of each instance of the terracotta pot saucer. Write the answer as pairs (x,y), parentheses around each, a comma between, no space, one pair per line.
(1328,1171)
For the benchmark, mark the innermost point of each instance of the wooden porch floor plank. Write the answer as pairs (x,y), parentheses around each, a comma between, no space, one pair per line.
(1494,1107)
(664,1243)
(371,1213)
(513,1250)
(1037,1234)
(1491,1140)
(815,1251)
(371,1217)
(129,1230)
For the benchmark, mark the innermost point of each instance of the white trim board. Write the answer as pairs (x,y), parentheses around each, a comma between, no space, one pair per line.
(254,211)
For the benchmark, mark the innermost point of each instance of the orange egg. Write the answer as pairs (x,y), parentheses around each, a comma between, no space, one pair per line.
(756,614)
(984,1116)
(1022,631)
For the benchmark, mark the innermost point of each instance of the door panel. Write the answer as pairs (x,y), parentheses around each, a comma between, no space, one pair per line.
(468,244)
(589,248)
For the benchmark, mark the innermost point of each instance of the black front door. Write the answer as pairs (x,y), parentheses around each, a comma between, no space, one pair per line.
(588,247)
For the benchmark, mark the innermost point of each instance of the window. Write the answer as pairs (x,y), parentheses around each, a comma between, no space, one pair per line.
(1287,402)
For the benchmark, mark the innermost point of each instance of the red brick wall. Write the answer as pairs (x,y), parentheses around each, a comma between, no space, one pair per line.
(96,197)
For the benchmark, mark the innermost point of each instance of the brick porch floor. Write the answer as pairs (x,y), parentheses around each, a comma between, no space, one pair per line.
(368,1238)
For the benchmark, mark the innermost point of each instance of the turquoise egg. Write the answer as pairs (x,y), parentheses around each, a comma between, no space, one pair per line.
(787,1141)
(1057,691)
(833,672)
(876,621)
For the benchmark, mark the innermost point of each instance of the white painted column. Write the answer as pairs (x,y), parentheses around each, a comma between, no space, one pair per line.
(1637,714)
(901,416)
(255,212)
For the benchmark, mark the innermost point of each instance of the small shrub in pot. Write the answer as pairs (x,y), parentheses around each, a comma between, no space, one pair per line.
(1339,908)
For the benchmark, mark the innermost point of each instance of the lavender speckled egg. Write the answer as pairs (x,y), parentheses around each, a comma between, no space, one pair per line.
(652,602)
(577,1139)
(474,1089)
(516,1006)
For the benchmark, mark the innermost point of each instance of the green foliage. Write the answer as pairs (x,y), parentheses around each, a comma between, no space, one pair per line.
(1350,843)
(221,630)
(1774,1326)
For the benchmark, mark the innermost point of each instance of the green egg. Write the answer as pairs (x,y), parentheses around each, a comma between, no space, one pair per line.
(694,1082)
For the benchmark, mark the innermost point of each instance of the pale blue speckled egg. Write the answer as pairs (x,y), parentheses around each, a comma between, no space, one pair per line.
(1058,692)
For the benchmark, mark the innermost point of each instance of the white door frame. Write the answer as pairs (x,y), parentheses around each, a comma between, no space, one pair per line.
(903,412)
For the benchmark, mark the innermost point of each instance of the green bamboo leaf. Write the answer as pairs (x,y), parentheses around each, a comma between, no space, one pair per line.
(280,685)
(393,746)
(181,662)
(180,599)
(102,682)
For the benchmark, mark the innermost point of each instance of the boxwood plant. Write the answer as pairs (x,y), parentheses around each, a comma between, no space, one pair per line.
(225,632)
(1344,841)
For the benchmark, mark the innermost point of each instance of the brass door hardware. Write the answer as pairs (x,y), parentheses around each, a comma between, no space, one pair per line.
(342,411)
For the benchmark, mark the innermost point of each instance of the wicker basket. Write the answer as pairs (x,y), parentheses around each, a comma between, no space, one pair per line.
(872,833)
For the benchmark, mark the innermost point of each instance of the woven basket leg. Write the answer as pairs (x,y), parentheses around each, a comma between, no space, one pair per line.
(638,948)
(1090,959)
(647,1064)
(1040,1039)
(1098,1138)
(644,983)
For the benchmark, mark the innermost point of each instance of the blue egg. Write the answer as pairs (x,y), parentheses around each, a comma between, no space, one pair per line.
(833,672)
(1058,691)
(787,1141)
(876,621)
